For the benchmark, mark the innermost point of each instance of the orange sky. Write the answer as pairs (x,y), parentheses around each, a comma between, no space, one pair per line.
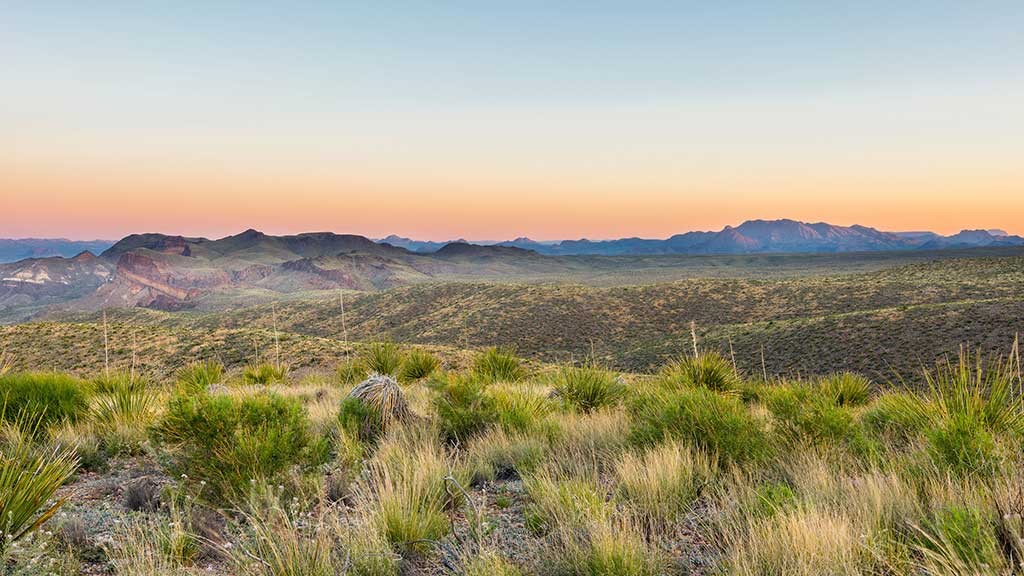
(592,120)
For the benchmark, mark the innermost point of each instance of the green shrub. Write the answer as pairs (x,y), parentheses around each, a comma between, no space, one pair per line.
(383,358)
(986,394)
(229,442)
(959,540)
(463,406)
(847,388)
(716,423)
(963,445)
(29,477)
(519,407)
(264,374)
(351,372)
(122,414)
(42,398)
(589,388)
(417,365)
(199,376)
(813,413)
(769,499)
(498,365)
(709,370)
(897,416)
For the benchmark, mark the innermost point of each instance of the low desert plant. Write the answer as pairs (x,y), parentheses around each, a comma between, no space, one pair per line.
(500,455)
(959,540)
(122,414)
(802,542)
(199,376)
(351,371)
(382,358)
(264,374)
(719,424)
(661,484)
(589,388)
(228,442)
(373,407)
(29,477)
(463,406)
(281,541)
(498,365)
(42,398)
(417,365)
(489,563)
(847,388)
(520,407)
(707,370)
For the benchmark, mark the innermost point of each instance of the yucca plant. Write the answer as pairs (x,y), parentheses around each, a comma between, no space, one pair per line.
(589,388)
(498,365)
(264,374)
(122,414)
(418,364)
(383,358)
(987,394)
(373,407)
(198,376)
(708,370)
(847,388)
(29,477)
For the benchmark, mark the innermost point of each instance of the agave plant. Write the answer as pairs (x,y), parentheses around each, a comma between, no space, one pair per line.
(29,477)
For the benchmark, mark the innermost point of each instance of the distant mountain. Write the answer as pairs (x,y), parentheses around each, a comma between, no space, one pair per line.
(415,245)
(12,250)
(767,236)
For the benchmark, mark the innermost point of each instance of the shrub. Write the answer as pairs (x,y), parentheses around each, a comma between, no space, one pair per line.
(519,408)
(897,415)
(29,477)
(708,370)
(589,388)
(418,364)
(351,372)
(701,417)
(199,376)
(122,414)
(373,407)
(383,358)
(959,540)
(985,394)
(847,388)
(264,374)
(230,442)
(463,407)
(812,413)
(498,365)
(661,484)
(963,445)
(42,398)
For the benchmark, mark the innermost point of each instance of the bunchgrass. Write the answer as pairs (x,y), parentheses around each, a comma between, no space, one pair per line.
(498,365)
(417,364)
(382,358)
(589,388)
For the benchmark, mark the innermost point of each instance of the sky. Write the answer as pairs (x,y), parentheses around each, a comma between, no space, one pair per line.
(492,120)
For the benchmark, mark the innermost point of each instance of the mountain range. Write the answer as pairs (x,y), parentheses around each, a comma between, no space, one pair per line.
(753,237)
(14,249)
(176,272)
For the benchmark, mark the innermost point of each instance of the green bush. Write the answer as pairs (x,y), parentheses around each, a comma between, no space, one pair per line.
(383,358)
(589,388)
(960,539)
(847,388)
(42,398)
(813,413)
(264,374)
(897,416)
(198,376)
(963,445)
(709,370)
(519,407)
(229,442)
(463,406)
(719,424)
(498,365)
(418,365)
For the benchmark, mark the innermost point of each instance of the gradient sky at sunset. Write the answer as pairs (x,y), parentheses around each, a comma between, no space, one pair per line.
(473,119)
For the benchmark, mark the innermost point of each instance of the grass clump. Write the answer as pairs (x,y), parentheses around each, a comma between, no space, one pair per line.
(520,407)
(382,358)
(264,374)
(200,376)
(122,414)
(959,540)
(463,406)
(230,442)
(29,477)
(42,398)
(418,364)
(351,371)
(814,414)
(661,484)
(846,388)
(498,365)
(589,388)
(716,423)
(708,370)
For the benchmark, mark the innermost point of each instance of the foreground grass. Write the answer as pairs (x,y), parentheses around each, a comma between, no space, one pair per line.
(499,470)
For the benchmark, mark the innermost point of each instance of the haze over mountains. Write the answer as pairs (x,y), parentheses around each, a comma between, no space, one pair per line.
(14,249)
(175,272)
(751,237)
